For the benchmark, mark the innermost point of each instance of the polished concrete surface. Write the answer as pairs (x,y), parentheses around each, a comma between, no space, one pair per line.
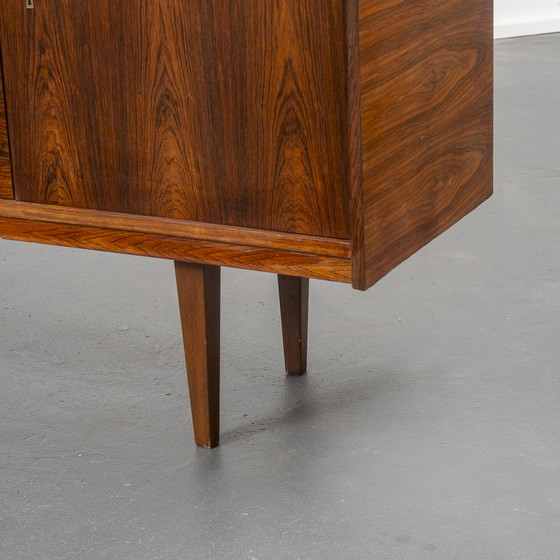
(428,426)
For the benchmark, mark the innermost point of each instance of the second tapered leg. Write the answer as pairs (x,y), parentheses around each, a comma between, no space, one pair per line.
(294,309)
(199,303)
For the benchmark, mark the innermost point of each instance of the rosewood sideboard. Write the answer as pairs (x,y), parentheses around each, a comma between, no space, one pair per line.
(325,139)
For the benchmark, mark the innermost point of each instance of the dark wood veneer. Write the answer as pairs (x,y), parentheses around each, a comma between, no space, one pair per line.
(217,253)
(426,114)
(216,111)
(5,168)
(179,228)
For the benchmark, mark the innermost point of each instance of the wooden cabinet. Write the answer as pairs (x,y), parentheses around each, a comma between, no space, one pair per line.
(322,139)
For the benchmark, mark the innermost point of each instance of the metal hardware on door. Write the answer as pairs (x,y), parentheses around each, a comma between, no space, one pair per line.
(29,4)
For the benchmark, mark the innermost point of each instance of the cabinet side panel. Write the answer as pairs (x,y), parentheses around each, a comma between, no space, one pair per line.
(218,111)
(5,169)
(426,82)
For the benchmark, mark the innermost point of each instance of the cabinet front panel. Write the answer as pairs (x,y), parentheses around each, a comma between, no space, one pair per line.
(219,111)
(5,171)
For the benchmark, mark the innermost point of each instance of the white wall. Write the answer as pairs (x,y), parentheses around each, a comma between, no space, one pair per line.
(513,18)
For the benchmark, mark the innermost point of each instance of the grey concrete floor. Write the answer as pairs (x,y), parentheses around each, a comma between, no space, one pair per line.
(428,426)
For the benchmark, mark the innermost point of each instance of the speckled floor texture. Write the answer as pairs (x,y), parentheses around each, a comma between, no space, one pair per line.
(428,426)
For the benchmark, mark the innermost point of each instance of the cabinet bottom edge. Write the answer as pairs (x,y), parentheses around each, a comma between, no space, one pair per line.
(159,245)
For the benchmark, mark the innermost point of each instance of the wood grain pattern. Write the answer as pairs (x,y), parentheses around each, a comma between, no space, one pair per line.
(219,111)
(176,228)
(426,96)
(250,130)
(6,190)
(198,287)
(179,248)
(294,311)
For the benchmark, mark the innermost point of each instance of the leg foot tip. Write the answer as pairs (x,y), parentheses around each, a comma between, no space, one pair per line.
(296,372)
(207,444)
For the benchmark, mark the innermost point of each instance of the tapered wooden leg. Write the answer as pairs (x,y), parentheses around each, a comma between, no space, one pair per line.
(294,305)
(199,303)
